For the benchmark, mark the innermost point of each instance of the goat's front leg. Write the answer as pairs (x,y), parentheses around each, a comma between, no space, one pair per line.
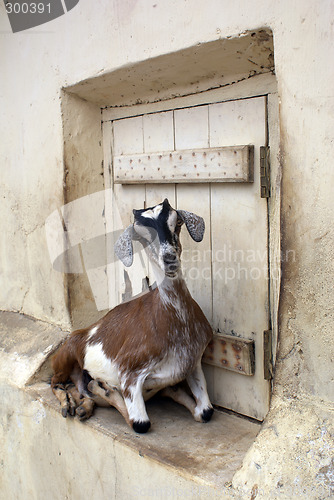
(67,402)
(110,395)
(84,405)
(197,384)
(133,397)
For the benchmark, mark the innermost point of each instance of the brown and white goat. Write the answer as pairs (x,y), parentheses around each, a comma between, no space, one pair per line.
(146,345)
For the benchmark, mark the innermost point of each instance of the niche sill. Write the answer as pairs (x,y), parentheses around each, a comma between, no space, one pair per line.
(208,454)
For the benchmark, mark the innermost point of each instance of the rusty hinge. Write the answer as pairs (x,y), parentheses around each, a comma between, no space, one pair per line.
(265,171)
(232,353)
(268,354)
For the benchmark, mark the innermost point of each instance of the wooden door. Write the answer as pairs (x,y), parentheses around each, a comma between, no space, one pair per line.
(200,150)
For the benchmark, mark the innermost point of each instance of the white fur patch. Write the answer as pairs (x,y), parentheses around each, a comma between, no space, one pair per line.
(135,404)
(171,221)
(170,299)
(92,331)
(153,213)
(167,372)
(100,366)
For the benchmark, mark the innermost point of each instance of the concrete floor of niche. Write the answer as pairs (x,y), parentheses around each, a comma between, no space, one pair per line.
(212,452)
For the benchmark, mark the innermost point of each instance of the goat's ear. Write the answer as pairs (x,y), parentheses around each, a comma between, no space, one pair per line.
(194,223)
(123,246)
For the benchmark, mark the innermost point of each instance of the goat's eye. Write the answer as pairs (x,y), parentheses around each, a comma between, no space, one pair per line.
(179,222)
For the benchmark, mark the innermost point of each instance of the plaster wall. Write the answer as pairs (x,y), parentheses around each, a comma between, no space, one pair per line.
(93,40)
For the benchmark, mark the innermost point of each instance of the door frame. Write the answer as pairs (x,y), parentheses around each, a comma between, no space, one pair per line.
(262,85)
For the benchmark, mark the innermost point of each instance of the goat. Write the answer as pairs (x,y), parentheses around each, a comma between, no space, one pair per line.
(146,345)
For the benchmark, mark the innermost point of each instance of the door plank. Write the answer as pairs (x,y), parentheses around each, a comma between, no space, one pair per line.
(240,258)
(196,257)
(158,136)
(158,132)
(228,164)
(128,137)
(191,128)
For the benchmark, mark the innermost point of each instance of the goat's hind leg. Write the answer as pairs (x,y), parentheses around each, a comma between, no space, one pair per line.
(199,405)
(178,394)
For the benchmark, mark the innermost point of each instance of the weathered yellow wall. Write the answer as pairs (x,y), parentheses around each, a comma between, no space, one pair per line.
(99,37)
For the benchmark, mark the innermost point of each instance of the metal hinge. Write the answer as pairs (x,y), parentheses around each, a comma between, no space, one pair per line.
(268,354)
(265,171)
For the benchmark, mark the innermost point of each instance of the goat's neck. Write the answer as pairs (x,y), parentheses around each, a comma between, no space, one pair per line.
(173,291)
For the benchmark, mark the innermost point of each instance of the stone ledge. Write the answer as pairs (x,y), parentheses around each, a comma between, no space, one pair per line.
(26,345)
(202,455)
(209,453)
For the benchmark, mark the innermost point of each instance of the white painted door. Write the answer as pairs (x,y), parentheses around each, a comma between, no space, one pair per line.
(227,273)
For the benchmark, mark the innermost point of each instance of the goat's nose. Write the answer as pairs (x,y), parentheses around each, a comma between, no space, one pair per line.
(169,258)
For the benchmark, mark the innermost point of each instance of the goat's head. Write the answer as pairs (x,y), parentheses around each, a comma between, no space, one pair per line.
(158,229)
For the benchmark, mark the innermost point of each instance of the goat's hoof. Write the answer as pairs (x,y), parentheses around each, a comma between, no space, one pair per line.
(206,415)
(64,411)
(82,413)
(72,411)
(71,407)
(141,427)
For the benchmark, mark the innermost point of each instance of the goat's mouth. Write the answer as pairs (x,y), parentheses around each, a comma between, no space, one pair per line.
(172,271)
(171,275)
